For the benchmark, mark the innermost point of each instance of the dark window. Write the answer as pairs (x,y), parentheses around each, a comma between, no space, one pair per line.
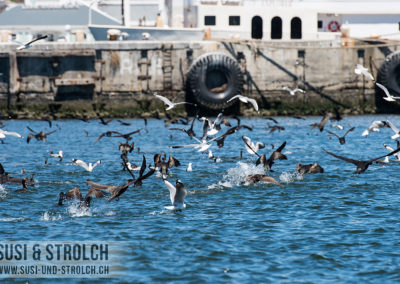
(295,28)
(320,24)
(276,28)
(257,27)
(209,20)
(234,20)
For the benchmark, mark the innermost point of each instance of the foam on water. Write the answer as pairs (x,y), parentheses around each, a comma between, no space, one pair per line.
(3,192)
(77,211)
(287,177)
(47,217)
(235,176)
(12,219)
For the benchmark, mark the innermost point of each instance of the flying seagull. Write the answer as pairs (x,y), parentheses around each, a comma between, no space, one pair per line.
(374,127)
(177,195)
(170,104)
(4,133)
(28,44)
(342,139)
(361,165)
(245,100)
(87,167)
(388,97)
(364,71)
(293,91)
(252,148)
(395,129)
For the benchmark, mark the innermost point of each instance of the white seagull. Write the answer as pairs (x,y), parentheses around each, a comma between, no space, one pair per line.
(388,97)
(252,148)
(374,127)
(177,195)
(189,167)
(87,167)
(209,127)
(245,100)
(4,133)
(364,71)
(293,91)
(59,155)
(395,130)
(170,104)
(202,146)
(28,44)
(390,149)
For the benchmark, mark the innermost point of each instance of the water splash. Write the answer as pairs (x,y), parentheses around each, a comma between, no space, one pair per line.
(287,177)
(235,176)
(78,211)
(3,192)
(47,217)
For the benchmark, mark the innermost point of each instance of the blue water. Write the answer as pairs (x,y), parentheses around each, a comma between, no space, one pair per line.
(330,227)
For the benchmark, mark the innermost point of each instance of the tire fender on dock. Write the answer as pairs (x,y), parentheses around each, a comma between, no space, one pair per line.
(213,79)
(389,74)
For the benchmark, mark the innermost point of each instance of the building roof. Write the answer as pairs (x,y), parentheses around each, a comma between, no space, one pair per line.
(55,16)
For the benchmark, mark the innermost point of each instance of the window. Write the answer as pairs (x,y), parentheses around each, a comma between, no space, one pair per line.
(276,28)
(209,20)
(320,25)
(234,20)
(257,27)
(295,28)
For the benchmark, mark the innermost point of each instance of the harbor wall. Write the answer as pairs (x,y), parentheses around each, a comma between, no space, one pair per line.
(118,78)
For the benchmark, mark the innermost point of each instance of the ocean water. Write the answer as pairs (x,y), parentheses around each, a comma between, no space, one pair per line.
(331,227)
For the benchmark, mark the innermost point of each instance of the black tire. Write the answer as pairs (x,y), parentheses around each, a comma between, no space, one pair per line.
(389,74)
(213,79)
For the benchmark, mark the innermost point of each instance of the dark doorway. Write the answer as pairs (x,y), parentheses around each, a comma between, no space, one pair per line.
(295,28)
(257,27)
(276,28)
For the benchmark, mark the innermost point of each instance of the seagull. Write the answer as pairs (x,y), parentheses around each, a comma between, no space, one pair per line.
(293,91)
(212,157)
(210,127)
(59,155)
(362,166)
(246,100)
(364,71)
(4,133)
(28,44)
(177,195)
(202,145)
(87,167)
(395,129)
(342,139)
(390,149)
(338,126)
(374,127)
(189,167)
(170,104)
(252,148)
(388,97)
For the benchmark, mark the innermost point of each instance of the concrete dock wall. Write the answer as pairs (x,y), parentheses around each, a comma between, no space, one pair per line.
(118,78)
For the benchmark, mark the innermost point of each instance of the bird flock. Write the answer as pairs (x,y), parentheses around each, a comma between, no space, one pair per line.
(215,132)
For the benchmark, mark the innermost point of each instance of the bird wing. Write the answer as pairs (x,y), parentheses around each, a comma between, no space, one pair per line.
(96,192)
(394,128)
(248,146)
(234,98)
(81,163)
(254,103)
(384,89)
(355,162)
(143,167)
(165,100)
(2,171)
(334,134)
(74,193)
(156,159)
(172,190)
(31,130)
(391,153)
(281,147)
(48,133)
(96,164)
(351,129)
(11,133)
(36,39)
(173,162)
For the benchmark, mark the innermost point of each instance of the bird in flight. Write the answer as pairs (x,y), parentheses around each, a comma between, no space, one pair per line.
(342,139)
(293,91)
(170,104)
(362,166)
(87,167)
(361,70)
(245,100)
(388,97)
(374,127)
(322,123)
(177,195)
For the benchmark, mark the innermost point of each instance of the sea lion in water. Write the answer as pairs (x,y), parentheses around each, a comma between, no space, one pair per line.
(252,179)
